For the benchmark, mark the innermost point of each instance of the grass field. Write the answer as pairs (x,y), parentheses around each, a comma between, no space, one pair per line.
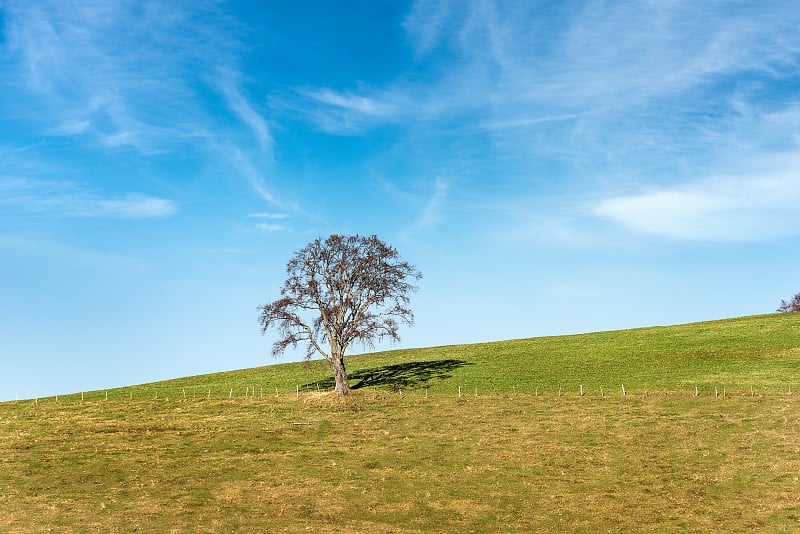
(407,453)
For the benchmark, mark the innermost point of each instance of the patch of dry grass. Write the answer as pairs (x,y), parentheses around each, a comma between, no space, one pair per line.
(384,462)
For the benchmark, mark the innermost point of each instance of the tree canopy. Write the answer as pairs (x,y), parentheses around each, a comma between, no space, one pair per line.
(340,291)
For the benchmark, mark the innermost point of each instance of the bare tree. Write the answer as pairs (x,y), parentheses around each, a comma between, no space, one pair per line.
(341,290)
(791,306)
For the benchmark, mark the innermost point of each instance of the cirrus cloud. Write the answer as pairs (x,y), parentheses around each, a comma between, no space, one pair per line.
(71,200)
(747,208)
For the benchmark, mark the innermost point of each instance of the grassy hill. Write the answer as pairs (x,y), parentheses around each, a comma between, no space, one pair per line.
(762,352)
(516,456)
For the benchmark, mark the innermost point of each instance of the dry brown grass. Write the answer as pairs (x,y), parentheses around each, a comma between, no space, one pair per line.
(382,462)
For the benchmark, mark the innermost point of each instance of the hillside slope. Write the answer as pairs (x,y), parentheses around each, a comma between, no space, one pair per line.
(762,352)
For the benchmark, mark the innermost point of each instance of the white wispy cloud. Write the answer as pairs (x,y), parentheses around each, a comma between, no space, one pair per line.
(71,200)
(426,23)
(131,206)
(517,123)
(72,127)
(511,63)
(112,71)
(265,215)
(432,205)
(432,211)
(749,208)
(624,96)
(251,162)
(354,103)
(345,112)
(270,227)
(250,167)
(136,75)
(244,109)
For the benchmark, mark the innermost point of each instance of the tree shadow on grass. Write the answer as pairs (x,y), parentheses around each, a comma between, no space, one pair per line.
(401,375)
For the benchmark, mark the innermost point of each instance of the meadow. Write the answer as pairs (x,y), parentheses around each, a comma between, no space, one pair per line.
(472,438)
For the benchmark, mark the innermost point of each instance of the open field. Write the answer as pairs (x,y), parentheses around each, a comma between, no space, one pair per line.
(150,459)
(385,463)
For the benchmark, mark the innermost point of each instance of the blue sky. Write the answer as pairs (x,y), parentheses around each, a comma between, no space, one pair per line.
(550,167)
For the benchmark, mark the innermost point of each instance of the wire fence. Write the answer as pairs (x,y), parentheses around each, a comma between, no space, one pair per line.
(267,392)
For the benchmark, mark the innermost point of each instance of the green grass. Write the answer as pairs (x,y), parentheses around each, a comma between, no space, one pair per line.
(660,459)
(762,352)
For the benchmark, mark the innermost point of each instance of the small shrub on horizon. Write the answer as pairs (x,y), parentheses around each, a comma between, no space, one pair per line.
(790,306)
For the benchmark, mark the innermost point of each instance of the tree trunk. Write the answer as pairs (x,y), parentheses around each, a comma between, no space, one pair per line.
(339,374)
